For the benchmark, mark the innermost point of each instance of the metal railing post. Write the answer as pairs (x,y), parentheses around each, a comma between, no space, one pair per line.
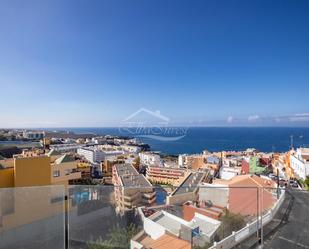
(262,203)
(66,222)
(257,212)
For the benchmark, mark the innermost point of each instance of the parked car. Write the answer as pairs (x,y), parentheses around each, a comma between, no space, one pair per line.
(293,184)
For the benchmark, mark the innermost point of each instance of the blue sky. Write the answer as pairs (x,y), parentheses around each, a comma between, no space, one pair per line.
(93,63)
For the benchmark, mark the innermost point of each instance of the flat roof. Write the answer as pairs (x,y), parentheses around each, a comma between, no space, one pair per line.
(135,180)
(125,169)
(130,177)
(171,209)
(190,183)
(167,222)
(7,163)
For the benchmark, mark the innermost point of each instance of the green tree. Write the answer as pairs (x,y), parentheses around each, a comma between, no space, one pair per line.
(117,238)
(307,181)
(230,222)
(137,162)
(205,246)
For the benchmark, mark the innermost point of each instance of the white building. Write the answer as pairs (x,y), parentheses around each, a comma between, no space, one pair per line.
(198,231)
(91,154)
(66,147)
(96,155)
(232,162)
(98,140)
(34,134)
(131,148)
(148,158)
(300,162)
(182,160)
(218,194)
(228,173)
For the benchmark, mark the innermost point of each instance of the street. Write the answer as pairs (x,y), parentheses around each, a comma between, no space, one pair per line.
(290,228)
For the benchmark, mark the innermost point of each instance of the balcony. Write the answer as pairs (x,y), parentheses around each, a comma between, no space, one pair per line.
(87,217)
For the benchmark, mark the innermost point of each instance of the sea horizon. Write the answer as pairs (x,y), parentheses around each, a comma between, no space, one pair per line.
(197,139)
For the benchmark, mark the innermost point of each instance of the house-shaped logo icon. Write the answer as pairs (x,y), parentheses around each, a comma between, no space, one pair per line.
(151,124)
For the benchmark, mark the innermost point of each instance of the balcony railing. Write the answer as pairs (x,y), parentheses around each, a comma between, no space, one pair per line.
(88,217)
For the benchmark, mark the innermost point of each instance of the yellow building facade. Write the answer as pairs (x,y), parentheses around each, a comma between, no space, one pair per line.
(36,196)
(26,171)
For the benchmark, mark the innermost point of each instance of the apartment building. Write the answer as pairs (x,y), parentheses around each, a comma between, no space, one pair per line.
(96,154)
(187,189)
(85,169)
(36,135)
(148,158)
(131,188)
(299,160)
(91,154)
(197,161)
(165,175)
(107,165)
(131,148)
(64,169)
(281,165)
(66,147)
(27,169)
(31,193)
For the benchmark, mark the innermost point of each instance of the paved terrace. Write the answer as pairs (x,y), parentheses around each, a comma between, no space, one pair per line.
(169,223)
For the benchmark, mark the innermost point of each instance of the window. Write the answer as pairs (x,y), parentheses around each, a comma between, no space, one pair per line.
(67,171)
(56,173)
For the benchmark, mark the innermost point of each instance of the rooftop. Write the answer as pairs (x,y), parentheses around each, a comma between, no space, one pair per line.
(246,181)
(166,241)
(53,152)
(190,183)
(6,163)
(172,209)
(130,177)
(64,159)
(168,222)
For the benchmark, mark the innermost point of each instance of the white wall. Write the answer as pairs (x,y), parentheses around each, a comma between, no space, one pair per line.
(135,245)
(150,159)
(217,194)
(299,167)
(227,173)
(153,229)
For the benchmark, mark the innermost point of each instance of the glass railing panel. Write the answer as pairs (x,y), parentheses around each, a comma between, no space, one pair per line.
(32,217)
(199,216)
(191,216)
(99,218)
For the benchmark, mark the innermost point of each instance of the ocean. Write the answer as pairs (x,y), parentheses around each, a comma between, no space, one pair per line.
(197,139)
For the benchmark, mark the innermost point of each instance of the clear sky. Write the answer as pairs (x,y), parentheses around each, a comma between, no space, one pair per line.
(93,63)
